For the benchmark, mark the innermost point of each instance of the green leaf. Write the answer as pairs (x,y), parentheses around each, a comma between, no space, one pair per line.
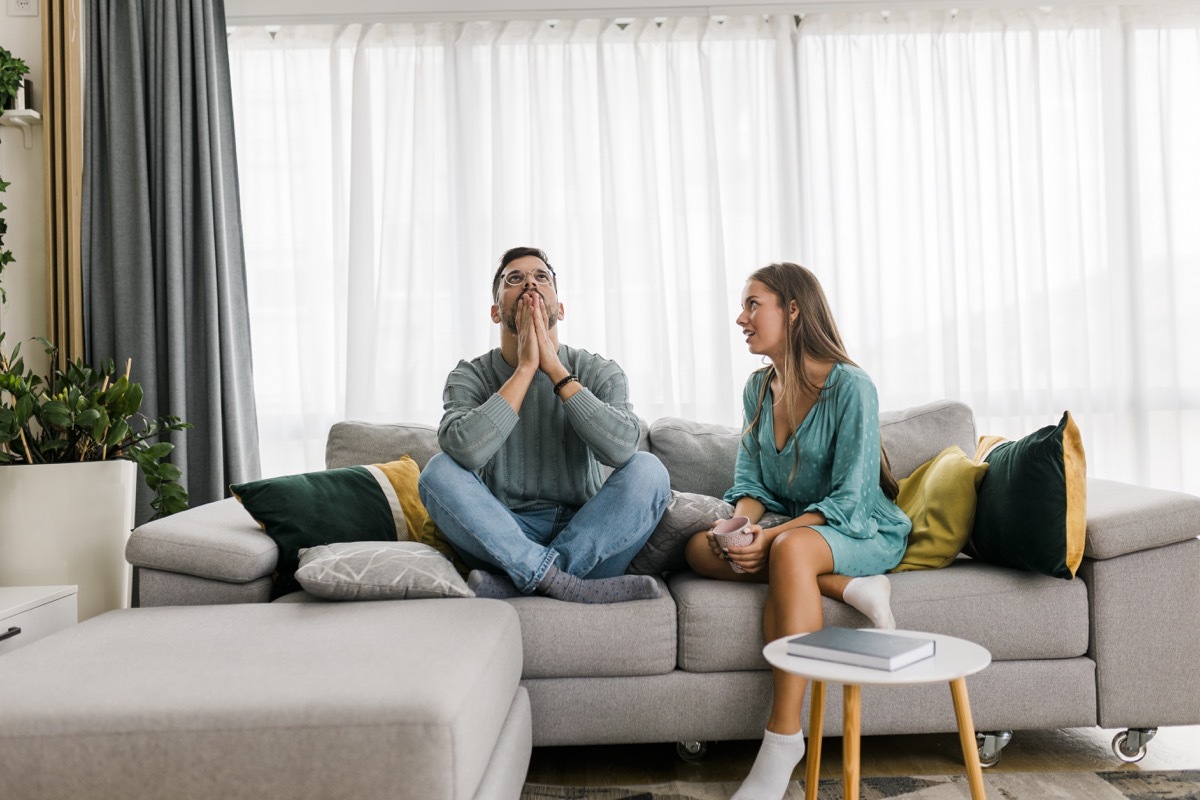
(57,414)
(100,426)
(172,490)
(169,472)
(24,408)
(133,398)
(117,433)
(158,451)
(87,418)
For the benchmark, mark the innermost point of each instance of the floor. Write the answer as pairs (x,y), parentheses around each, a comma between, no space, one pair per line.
(1072,749)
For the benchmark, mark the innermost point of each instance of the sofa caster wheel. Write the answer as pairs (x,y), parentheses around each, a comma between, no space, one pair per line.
(691,751)
(990,744)
(1130,745)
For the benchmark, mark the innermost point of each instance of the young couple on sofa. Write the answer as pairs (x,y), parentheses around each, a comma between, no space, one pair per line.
(518,489)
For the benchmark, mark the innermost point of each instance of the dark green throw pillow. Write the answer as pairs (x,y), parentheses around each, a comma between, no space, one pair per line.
(351,504)
(1032,507)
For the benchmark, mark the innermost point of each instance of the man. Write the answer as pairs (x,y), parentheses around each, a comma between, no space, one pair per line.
(517,488)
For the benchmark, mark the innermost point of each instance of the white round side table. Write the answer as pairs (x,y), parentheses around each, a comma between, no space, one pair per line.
(953,661)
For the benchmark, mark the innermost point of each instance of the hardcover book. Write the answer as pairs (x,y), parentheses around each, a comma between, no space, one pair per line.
(862,648)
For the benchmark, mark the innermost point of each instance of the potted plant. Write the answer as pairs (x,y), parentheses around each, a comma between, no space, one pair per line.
(81,414)
(12,78)
(71,444)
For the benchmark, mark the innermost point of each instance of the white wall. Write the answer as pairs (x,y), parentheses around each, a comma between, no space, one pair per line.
(24,279)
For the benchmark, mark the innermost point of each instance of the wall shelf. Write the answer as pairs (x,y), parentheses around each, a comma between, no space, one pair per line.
(23,118)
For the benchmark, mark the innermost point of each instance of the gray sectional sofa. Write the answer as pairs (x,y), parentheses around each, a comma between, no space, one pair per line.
(1114,648)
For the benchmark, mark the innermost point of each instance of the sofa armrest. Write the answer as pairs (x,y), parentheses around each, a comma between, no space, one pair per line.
(220,541)
(1123,518)
(1145,629)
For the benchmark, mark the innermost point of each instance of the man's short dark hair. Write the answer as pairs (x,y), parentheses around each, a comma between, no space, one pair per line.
(511,256)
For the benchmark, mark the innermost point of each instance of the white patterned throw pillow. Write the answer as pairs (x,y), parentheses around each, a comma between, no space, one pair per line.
(378,571)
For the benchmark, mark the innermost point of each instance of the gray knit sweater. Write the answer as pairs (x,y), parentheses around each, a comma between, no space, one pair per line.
(551,452)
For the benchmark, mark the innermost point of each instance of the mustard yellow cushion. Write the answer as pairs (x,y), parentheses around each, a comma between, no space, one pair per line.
(403,475)
(939,498)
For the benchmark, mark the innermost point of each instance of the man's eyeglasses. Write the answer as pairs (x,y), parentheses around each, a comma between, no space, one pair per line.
(516,277)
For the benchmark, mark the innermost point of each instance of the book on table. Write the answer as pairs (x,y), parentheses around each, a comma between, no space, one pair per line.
(862,648)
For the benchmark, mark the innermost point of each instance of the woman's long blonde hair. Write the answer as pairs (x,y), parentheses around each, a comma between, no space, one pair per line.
(812,335)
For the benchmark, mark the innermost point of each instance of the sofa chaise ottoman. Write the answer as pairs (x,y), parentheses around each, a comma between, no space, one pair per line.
(1114,647)
(361,700)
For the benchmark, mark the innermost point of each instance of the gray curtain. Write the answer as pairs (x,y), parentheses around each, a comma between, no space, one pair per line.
(163,264)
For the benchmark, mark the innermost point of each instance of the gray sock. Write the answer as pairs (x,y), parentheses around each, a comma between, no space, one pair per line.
(485,584)
(563,586)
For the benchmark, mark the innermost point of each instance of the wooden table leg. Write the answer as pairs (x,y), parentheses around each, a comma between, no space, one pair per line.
(816,724)
(966,734)
(852,703)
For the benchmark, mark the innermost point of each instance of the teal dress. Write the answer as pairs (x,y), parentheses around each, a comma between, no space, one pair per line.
(837,473)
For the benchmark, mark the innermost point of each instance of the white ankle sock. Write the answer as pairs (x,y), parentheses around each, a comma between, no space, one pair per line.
(772,770)
(872,596)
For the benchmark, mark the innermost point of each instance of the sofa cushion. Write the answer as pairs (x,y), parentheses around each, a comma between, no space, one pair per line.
(352,443)
(1032,501)
(364,700)
(700,456)
(939,498)
(604,640)
(378,571)
(914,435)
(1015,615)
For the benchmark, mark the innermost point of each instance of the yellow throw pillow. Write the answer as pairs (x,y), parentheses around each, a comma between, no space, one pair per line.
(939,498)
(403,475)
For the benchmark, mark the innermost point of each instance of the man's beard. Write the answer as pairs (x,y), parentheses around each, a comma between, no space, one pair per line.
(508,316)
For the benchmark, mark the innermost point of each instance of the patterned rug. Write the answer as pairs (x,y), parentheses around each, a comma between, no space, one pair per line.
(1130,785)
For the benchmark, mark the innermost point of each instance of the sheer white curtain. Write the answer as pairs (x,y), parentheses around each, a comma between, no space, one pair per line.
(999,204)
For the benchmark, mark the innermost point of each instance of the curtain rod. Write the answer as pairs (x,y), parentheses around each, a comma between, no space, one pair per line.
(280,12)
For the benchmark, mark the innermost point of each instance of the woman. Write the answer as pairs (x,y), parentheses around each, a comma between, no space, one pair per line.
(810,451)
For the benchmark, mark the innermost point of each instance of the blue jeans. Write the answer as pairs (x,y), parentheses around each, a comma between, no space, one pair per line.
(595,541)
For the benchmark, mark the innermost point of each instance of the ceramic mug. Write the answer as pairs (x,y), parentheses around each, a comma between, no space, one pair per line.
(733,533)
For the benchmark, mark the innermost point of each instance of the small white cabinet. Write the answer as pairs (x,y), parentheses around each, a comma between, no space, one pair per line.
(29,613)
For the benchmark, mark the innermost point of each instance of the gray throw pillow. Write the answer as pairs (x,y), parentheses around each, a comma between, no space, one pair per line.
(378,571)
(772,520)
(686,513)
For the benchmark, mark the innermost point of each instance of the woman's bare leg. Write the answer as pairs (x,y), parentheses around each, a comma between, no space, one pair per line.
(798,557)
(832,585)
(872,595)
(704,561)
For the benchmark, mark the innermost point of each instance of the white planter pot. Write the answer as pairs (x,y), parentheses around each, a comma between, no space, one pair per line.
(63,524)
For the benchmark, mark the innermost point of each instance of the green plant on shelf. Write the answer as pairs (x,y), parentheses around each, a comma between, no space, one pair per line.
(12,71)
